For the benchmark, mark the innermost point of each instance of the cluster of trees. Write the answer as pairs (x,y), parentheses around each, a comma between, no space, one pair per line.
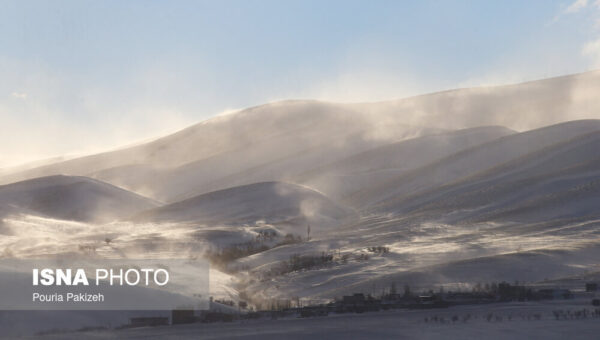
(223,256)
(225,302)
(489,317)
(298,262)
(290,239)
(576,315)
(442,319)
(379,249)
(362,257)
(485,288)
(266,235)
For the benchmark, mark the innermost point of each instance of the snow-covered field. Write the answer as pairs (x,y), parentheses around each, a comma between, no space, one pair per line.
(506,321)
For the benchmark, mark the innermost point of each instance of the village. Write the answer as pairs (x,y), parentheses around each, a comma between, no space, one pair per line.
(358,303)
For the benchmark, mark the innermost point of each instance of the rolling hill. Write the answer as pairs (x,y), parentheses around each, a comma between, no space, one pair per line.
(560,181)
(265,202)
(71,198)
(280,141)
(360,171)
(388,194)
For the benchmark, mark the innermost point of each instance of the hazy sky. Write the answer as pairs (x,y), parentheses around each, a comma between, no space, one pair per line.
(82,76)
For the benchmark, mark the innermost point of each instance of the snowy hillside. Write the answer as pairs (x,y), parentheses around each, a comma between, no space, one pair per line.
(71,198)
(228,148)
(471,161)
(367,168)
(281,140)
(560,181)
(524,106)
(267,202)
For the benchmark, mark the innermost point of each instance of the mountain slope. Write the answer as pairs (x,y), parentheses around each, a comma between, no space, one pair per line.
(275,159)
(269,202)
(561,181)
(389,193)
(268,142)
(361,170)
(71,198)
(263,136)
(524,106)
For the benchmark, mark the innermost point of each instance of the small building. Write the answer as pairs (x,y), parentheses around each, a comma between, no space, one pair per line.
(148,321)
(306,312)
(358,303)
(182,316)
(427,299)
(591,287)
(508,292)
(552,294)
(355,299)
(463,298)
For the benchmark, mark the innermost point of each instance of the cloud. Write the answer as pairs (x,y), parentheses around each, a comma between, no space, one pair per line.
(44,113)
(350,86)
(592,50)
(20,95)
(577,6)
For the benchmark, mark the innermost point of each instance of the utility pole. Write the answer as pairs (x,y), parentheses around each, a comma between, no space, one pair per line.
(308,232)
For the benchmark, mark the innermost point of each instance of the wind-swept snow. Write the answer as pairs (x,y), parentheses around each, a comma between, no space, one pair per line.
(450,196)
(71,198)
(360,171)
(277,141)
(266,202)
(469,162)
(281,139)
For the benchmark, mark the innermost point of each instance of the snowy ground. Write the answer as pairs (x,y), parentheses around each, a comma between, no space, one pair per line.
(422,254)
(426,254)
(508,321)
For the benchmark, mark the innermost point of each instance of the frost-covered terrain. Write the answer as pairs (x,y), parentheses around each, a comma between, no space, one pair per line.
(496,321)
(71,198)
(314,200)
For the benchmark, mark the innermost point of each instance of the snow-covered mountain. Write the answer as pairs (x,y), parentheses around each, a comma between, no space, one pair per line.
(522,107)
(280,141)
(458,186)
(268,142)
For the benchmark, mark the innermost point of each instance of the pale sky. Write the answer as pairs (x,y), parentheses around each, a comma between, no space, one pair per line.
(84,76)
